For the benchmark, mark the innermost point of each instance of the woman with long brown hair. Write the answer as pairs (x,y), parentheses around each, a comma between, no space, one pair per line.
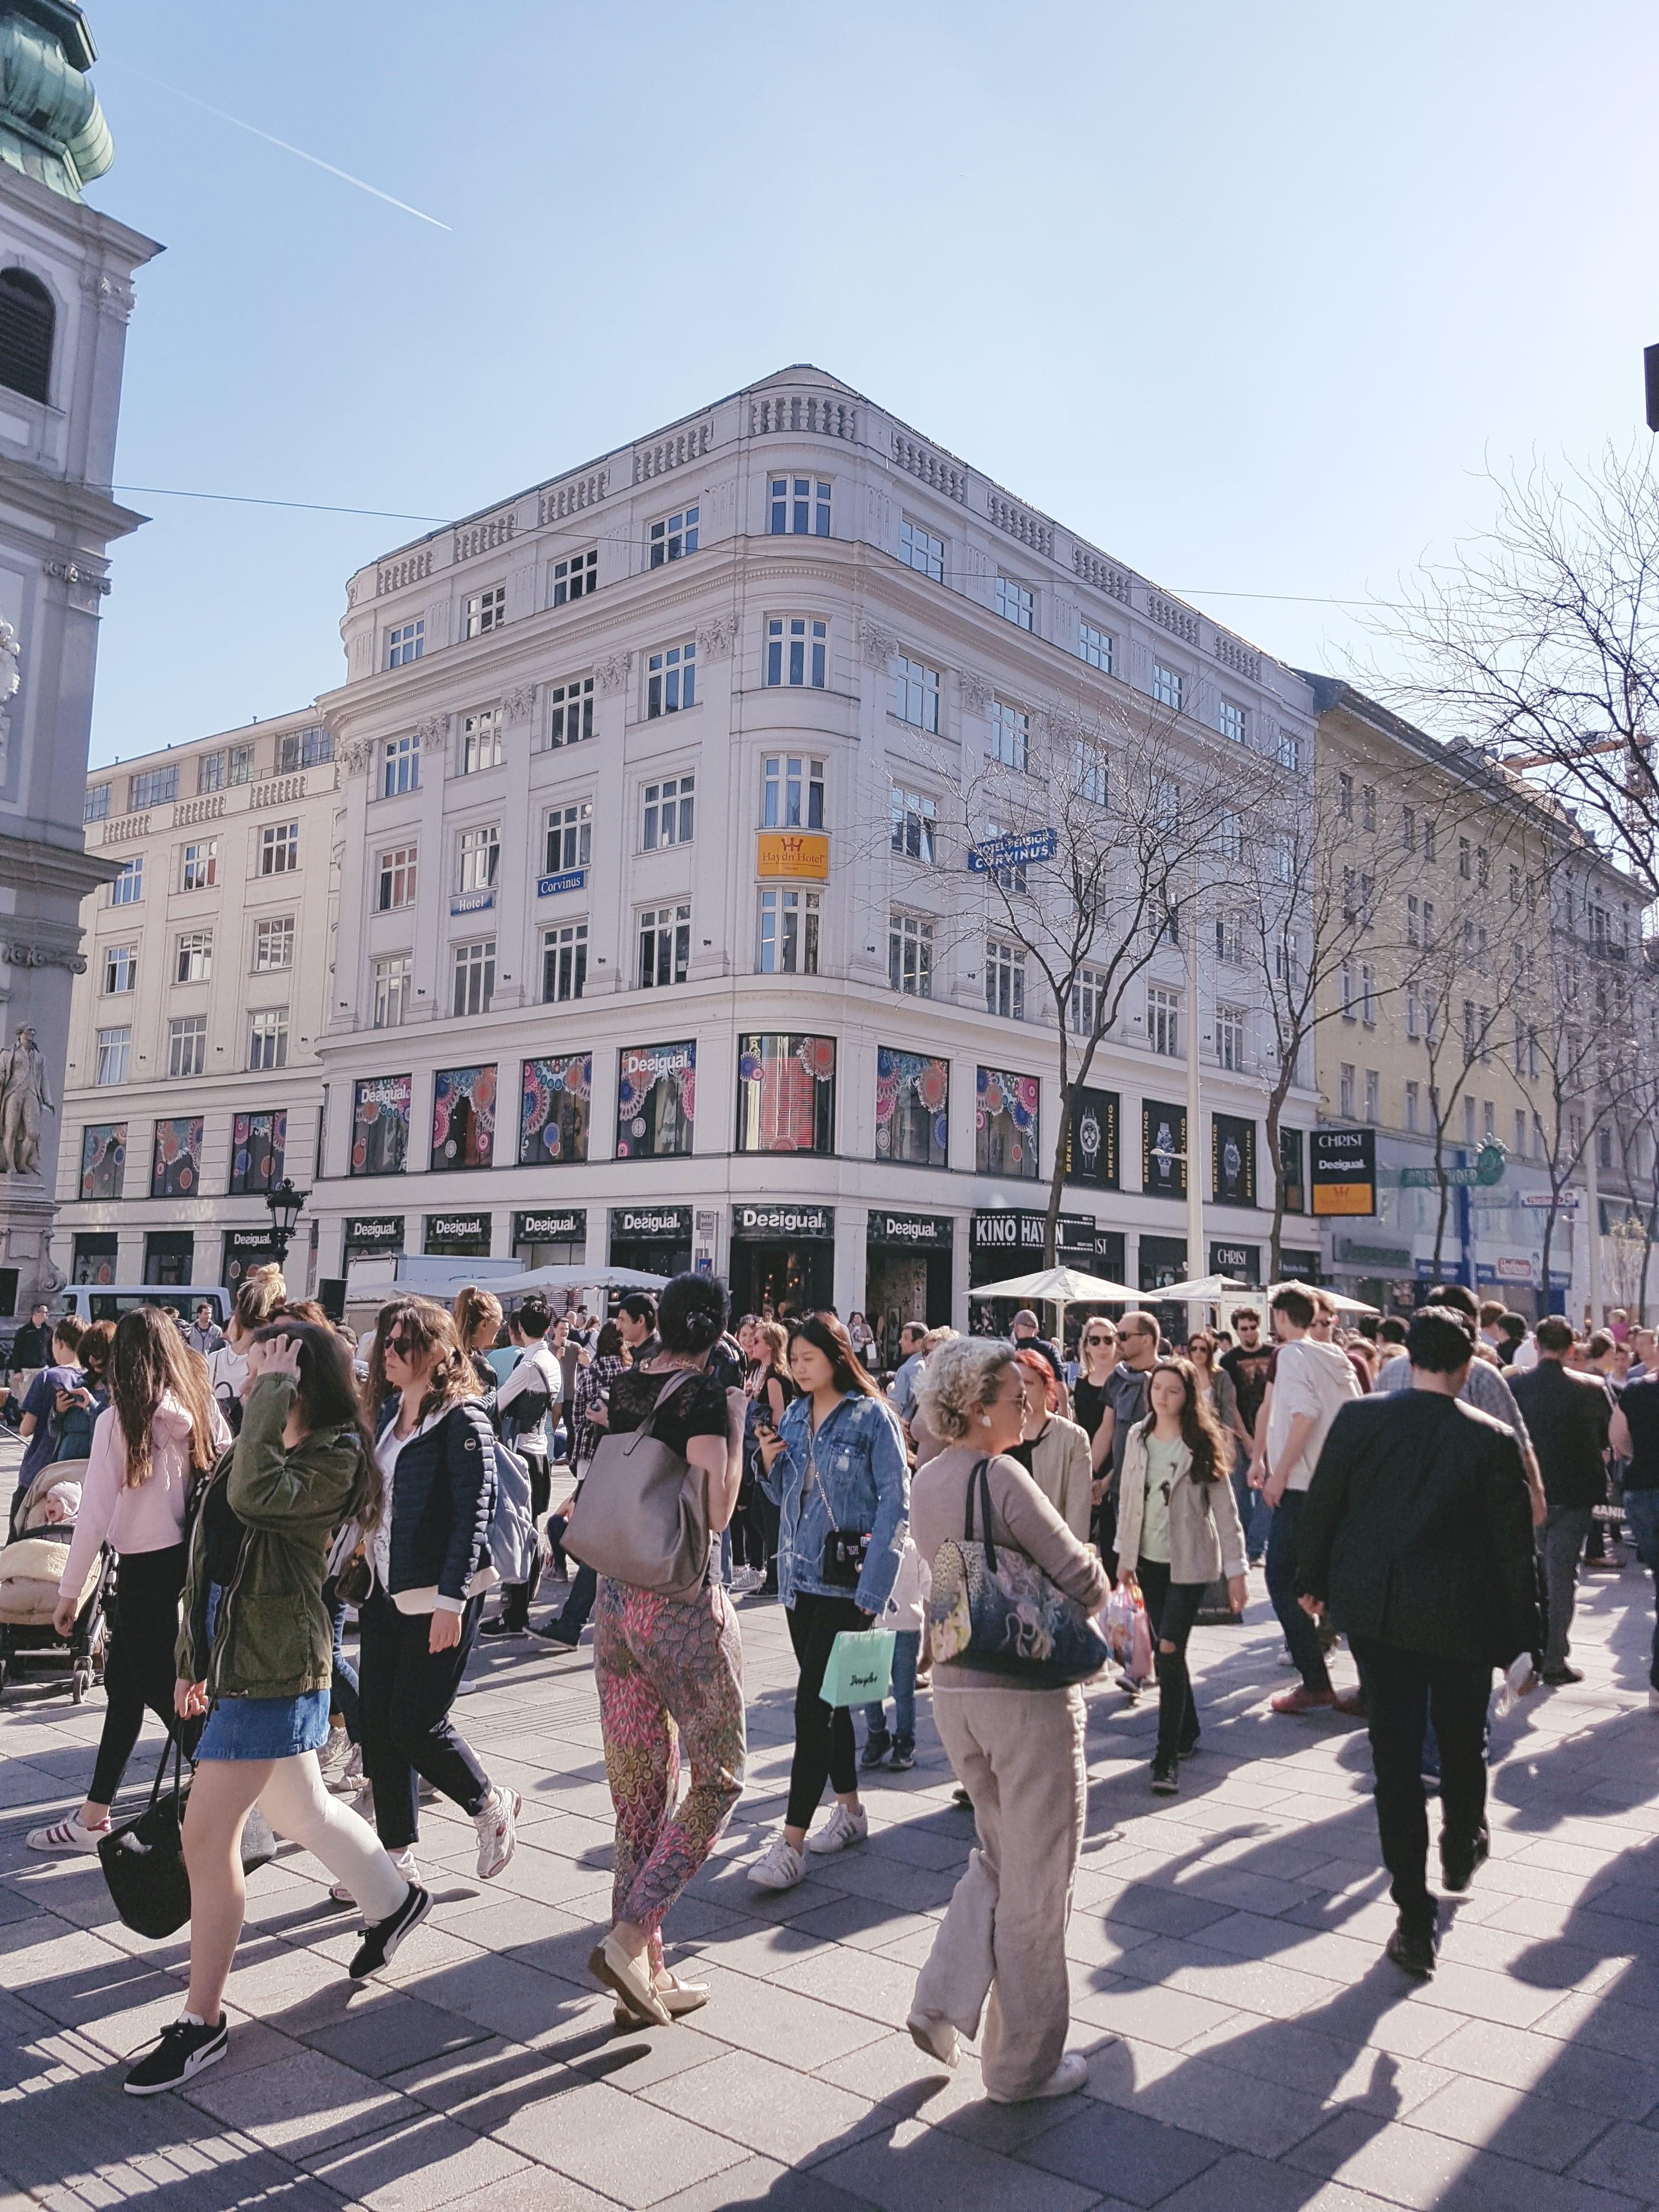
(160,1432)
(1178,1530)
(430,1562)
(838,1466)
(255,1655)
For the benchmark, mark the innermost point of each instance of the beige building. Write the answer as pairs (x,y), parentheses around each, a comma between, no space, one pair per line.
(193,1083)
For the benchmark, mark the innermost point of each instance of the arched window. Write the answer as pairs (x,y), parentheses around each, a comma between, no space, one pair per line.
(26,318)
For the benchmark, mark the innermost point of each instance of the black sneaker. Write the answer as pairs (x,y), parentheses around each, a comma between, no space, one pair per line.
(1166,1774)
(876,1749)
(1458,1863)
(1186,1746)
(502,1626)
(1558,1677)
(1411,1949)
(182,2052)
(382,1937)
(550,1632)
(905,1754)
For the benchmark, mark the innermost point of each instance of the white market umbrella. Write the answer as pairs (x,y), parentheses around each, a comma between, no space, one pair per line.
(1342,1304)
(1204,1289)
(1059,1286)
(599,1277)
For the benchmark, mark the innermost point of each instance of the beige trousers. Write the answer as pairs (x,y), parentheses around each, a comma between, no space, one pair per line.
(1019,1755)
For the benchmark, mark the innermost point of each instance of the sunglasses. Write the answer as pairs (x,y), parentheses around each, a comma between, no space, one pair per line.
(403,1346)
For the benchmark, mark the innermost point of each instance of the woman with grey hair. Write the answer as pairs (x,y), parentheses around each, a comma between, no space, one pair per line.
(1015,1743)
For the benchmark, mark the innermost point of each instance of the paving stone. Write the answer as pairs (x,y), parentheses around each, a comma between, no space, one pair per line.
(797,2118)
(425,2163)
(1141,2159)
(303,2102)
(622,2146)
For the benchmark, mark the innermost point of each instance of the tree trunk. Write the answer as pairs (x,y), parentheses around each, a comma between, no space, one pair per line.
(1544,1259)
(1276,1098)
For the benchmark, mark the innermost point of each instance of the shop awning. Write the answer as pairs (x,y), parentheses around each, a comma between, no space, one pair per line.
(600,1275)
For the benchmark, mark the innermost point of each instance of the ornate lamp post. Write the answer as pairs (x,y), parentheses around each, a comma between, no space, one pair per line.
(285,1203)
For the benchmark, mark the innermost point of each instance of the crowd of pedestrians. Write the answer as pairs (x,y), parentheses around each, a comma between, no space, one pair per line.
(1431,1490)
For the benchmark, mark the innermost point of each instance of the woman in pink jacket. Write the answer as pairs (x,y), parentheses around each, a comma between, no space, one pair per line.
(161,1430)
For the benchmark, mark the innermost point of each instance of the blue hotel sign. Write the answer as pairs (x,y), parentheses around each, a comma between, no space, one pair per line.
(472,901)
(573,879)
(1014,851)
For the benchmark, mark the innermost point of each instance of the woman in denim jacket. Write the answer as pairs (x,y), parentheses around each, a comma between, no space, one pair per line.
(838,1468)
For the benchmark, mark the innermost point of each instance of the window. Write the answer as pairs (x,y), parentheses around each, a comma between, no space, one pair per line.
(919,549)
(210,772)
(200,869)
(114,1053)
(1010,734)
(671,681)
(1089,1000)
(279,849)
(1482,868)
(1489,1128)
(400,767)
(796,651)
(1284,859)
(1603,1146)
(673,536)
(1291,753)
(792,792)
(1008,1115)
(575,578)
(241,765)
(789,932)
(129,886)
(1430,835)
(915,825)
(257,1145)
(1096,647)
(786,1093)
(1014,602)
(1287,960)
(569,836)
(564,961)
(397,874)
(912,1107)
(1469,1030)
(1468,1120)
(1167,688)
(1540,1150)
(1350,991)
(120,969)
(194,961)
(1344,797)
(1368,806)
(485,610)
(910,954)
(156,786)
(1090,775)
(26,321)
(95,805)
(302,749)
(482,742)
(1428,924)
(670,808)
(1414,1107)
(1235,722)
(916,694)
(273,944)
(1485,1033)
(474,976)
(1229,940)
(1005,980)
(1373,1095)
(1345,1090)
(1164,1020)
(187,1045)
(1230,834)
(478,853)
(405,643)
(1413,1012)
(799,509)
(267,1038)
(394,977)
(1408,827)
(1368,994)
(1464,852)
(1229,1038)
(664,944)
(570,712)
(1515,884)
(1412,937)
(1012,877)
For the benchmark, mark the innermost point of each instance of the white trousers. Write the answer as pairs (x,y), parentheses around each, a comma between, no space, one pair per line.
(297,1807)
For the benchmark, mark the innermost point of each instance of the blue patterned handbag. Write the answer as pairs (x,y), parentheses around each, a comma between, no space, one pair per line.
(999,1613)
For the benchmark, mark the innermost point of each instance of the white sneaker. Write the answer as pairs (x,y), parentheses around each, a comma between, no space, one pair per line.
(66,1835)
(1067,2077)
(405,1862)
(781,1867)
(842,1830)
(351,1778)
(335,1757)
(498,1835)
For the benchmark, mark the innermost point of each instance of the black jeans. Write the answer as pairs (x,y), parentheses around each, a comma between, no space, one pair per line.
(1300,1634)
(343,1695)
(1405,1690)
(826,1749)
(405,1693)
(1172,1608)
(516,1597)
(573,1617)
(140,1669)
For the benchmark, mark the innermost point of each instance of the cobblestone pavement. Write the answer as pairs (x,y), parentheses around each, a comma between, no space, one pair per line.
(1249,2048)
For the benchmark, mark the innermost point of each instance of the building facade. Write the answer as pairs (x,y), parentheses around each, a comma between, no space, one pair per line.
(193,1082)
(65,296)
(657,944)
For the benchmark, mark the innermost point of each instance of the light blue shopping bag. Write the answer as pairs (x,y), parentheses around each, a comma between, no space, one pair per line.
(860,1669)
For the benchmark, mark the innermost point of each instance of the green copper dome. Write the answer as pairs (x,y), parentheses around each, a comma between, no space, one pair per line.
(51,127)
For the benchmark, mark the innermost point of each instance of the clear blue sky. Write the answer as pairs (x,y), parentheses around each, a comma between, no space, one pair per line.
(1248,293)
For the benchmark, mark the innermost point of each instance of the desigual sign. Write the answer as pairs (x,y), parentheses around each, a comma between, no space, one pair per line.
(569,1227)
(658,1222)
(443,1229)
(924,1232)
(374,1232)
(815,1222)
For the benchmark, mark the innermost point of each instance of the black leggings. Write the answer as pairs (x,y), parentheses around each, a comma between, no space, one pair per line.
(406,1691)
(825,1747)
(1171,1607)
(140,1669)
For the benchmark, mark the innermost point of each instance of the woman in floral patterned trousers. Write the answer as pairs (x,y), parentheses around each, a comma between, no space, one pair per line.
(670,1670)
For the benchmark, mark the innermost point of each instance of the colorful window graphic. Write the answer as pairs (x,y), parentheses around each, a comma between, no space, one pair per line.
(912,1107)
(380,1124)
(176,1164)
(257,1144)
(553,1109)
(1006,1124)
(786,1093)
(103,1159)
(463,1117)
(656,1100)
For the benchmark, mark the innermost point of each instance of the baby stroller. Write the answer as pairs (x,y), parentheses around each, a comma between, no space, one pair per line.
(30,1567)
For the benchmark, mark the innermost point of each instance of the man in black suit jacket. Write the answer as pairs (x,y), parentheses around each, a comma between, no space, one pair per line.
(1417,1536)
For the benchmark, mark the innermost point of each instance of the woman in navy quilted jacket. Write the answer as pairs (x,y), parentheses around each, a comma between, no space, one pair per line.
(431,1558)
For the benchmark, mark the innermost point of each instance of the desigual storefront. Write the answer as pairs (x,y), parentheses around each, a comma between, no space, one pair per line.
(909,1258)
(655,1239)
(783,1259)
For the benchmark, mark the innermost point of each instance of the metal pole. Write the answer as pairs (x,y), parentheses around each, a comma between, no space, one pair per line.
(1195,1253)
(1593,1229)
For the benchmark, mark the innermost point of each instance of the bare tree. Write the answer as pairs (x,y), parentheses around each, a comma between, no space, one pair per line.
(1635,1122)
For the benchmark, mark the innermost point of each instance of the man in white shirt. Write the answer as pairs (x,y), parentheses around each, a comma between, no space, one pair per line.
(523,1403)
(1311,1381)
(901,1390)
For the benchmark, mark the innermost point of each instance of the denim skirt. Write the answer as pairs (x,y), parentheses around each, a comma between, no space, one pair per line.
(262,1727)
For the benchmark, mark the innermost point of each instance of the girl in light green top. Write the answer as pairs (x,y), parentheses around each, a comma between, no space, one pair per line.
(1178,1530)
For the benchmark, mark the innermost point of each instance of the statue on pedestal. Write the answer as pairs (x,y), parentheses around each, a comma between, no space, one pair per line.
(23,1095)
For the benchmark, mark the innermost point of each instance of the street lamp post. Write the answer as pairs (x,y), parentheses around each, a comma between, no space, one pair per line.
(285,1203)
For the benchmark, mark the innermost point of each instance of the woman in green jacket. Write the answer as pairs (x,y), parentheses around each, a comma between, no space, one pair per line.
(256,1656)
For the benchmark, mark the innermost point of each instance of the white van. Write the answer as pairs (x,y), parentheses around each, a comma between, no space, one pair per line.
(109,1301)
